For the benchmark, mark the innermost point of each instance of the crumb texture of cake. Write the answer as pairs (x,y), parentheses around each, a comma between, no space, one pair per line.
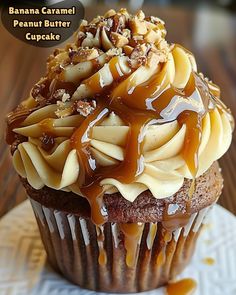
(119,110)
(145,208)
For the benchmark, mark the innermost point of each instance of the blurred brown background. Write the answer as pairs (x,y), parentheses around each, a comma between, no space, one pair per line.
(207,28)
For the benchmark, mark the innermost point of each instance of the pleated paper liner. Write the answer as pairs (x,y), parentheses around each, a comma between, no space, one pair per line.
(96,258)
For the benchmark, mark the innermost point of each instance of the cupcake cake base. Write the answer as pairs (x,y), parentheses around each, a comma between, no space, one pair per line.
(121,256)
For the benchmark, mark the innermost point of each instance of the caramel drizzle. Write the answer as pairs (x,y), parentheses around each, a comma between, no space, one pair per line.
(176,220)
(209,261)
(126,171)
(89,184)
(133,109)
(182,287)
(132,233)
(156,97)
(140,106)
(102,258)
(166,236)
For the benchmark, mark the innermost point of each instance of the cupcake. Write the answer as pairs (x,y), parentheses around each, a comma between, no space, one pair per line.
(117,148)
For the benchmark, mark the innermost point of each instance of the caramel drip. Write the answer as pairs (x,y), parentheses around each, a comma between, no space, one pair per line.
(90,187)
(126,171)
(152,102)
(157,97)
(161,257)
(167,236)
(209,261)
(182,287)
(102,258)
(192,139)
(132,233)
(115,68)
(139,96)
(95,83)
(176,220)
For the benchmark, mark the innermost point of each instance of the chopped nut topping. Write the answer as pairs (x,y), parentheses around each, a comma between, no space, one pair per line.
(163,45)
(137,37)
(70,46)
(157,20)
(89,35)
(119,40)
(137,26)
(83,54)
(140,14)
(150,26)
(152,36)
(63,110)
(121,29)
(108,33)
(128,49)
(85,108)
(126,33)
(154,58)
(119,21)
(65,97)
(40,90)
(138,56)
(114,52)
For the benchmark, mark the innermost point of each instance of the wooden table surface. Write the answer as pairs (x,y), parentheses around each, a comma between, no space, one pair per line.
(207,33)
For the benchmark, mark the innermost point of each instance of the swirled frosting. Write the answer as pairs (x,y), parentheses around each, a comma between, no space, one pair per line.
(121,59)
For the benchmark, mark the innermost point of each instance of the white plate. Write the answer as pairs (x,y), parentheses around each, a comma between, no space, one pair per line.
(23,268)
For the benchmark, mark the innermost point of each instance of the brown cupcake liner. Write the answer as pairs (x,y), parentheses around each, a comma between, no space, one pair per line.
(95,258)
